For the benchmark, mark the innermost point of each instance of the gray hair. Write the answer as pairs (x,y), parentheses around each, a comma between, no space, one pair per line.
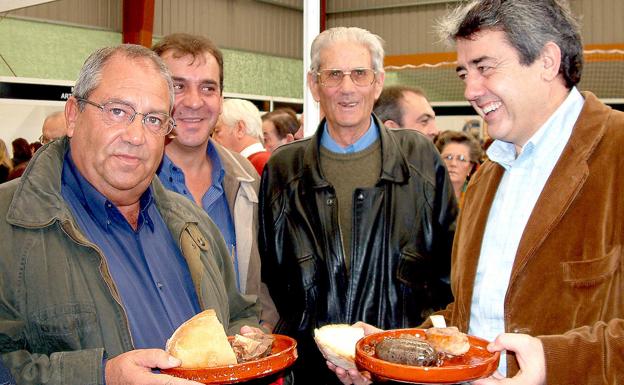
(350,34)
(235,110)
(528,26)
(91,72)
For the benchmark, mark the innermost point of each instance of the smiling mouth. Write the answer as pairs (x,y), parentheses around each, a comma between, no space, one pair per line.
(190,120)
(491,107)
(347,105)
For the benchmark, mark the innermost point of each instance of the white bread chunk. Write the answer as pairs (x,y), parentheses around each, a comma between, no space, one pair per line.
(337,343)
(201,342)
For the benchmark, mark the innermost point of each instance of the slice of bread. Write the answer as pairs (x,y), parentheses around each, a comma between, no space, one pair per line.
(201,342)
(337,343)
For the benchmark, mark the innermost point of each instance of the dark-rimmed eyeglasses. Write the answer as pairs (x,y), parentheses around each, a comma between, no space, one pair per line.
(118,113)
(459,157)
(333,77)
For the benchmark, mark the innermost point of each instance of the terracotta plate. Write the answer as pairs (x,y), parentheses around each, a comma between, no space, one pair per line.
(477,363)
(283,354)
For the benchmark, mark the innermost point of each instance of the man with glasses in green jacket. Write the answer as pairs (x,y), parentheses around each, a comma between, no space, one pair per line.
(100,263)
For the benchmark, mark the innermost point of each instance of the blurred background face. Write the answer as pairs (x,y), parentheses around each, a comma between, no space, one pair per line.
(271,139)
(418,114)
(347,106)
(458,170)
(198,97)
(225,136)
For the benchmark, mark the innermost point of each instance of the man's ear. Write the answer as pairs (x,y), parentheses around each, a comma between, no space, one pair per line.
(391,124)
(551,61)
(314,85)
(290,138)
(71,115)
(240,129)
(379,83)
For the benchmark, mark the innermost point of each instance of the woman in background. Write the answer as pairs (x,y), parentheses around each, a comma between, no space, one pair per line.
(5,162)
(21,156)
(461,153)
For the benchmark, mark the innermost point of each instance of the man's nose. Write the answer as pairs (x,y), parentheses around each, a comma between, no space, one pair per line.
(192,98)
(135,131)
(473,87)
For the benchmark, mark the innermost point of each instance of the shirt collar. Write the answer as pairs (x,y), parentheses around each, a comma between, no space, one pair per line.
(97,205)
(169,169)
(250,150)
(217,167)
(558,127)
(370,137)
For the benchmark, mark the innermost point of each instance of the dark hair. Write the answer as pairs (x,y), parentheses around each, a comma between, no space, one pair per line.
(284,120)
(388,106)
(183,44)
(528,25)
(21,151)
(460,137)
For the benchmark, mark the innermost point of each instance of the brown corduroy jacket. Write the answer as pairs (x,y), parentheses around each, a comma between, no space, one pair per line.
(567,284)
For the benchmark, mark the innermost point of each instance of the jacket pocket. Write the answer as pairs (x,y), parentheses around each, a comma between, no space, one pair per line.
(307,267)
(593,271)
(64,327)
(412,269)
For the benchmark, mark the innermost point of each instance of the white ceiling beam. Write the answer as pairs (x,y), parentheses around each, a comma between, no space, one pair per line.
(10,5)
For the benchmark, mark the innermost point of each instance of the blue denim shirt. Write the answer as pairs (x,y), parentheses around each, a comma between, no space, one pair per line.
(214,201)
(5,376)
(147,267)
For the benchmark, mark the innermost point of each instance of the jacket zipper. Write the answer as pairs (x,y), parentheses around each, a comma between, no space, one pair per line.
(336,215)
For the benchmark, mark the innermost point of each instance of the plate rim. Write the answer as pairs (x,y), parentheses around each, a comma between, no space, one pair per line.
(289,353)
(363,361)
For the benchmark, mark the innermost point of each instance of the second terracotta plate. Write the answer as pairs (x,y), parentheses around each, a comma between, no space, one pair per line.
(477,363)
(283,354)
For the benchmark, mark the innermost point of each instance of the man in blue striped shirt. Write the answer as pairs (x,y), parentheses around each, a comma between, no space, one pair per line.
(224,183)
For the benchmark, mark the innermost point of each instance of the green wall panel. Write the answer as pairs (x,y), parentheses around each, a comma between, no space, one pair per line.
(51,51)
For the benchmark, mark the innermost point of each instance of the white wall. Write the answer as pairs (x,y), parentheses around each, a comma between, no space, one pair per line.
(24,118)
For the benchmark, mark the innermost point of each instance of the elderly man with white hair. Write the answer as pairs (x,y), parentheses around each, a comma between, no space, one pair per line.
(239,129)
(356,222)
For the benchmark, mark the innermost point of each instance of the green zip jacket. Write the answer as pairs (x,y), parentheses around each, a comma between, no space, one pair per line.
(60,312)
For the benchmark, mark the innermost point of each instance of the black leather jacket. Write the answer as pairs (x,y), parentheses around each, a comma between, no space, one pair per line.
(401,241)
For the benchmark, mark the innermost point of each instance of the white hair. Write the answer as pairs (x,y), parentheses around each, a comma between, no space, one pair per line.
(372,42)
(235,110)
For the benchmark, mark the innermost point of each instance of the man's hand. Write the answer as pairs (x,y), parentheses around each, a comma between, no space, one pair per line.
(250,329)
(353,376)
(135,367)
(368,329)
(530,355)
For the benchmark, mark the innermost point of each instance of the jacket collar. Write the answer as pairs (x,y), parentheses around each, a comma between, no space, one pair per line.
(236,178)
(566,179)
(394,166)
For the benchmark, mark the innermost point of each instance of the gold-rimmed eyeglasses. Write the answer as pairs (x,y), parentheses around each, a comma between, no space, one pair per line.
(118,113)
(333,77)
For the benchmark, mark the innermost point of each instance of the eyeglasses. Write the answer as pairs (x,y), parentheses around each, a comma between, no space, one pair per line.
(117,113)
(44,140)
(460,158)
(360,76)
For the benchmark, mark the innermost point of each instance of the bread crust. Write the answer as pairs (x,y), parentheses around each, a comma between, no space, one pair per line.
(201,342)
